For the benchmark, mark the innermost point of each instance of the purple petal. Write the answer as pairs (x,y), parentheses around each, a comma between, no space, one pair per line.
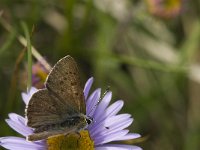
(100,110)
(26,96)
(14,117)
(16,143)
(114,108)
(103,105)
(129,136)
(116,120)
(112,125)
(110,111)
(117,147)
(92,102)
(87,87)
(110,137)
(17,123)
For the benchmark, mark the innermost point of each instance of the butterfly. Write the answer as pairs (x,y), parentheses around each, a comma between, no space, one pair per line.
(60,107)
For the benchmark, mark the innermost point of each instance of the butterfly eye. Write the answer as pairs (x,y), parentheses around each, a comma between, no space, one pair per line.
(89,120)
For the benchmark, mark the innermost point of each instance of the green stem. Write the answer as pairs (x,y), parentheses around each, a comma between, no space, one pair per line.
(27,35)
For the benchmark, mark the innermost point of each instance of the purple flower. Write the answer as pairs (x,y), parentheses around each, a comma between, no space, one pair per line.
(39,74)
(108,126)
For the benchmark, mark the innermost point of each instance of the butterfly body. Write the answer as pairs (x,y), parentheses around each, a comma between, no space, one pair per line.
(72,124)
(60,107)
(77,120)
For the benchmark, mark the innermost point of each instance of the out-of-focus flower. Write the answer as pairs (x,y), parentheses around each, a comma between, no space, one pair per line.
(165,8)
(39,74)
(108,126)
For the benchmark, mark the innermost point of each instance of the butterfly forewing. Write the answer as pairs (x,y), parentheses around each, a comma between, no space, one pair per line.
(64,82)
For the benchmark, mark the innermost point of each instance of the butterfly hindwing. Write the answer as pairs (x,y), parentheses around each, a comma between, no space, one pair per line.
(43,109)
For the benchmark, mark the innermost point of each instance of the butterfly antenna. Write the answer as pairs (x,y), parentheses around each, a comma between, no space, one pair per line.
(107,90)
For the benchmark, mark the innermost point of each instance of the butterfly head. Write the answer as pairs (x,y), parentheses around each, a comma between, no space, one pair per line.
(89,120)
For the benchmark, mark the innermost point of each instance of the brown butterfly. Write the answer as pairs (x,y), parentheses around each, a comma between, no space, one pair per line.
(59,108)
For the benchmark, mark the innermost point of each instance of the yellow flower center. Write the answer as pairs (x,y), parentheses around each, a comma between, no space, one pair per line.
(72,141)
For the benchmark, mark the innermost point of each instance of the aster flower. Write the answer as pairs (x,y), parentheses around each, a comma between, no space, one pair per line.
(107,126)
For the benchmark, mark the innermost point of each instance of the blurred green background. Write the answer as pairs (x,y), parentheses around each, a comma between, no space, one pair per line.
(147,51)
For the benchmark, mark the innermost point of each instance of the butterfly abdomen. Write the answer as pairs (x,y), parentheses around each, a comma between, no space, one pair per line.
(46,128)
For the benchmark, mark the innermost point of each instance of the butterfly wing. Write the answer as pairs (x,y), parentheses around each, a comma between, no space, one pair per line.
(63,96)
(64,82)
(43,109)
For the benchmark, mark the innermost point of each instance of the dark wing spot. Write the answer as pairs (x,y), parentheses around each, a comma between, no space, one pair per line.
(73,83)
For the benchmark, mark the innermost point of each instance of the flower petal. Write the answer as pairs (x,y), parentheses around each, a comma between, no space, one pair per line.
(107,124)
(114,108)
(17,123)
(87,87)
(101,139)
(117,147)
(116,120)
(92,102)
(110,111)
(112,124)
(128,136)
(26,96)
(103,105)
(16,143)
(14,117)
